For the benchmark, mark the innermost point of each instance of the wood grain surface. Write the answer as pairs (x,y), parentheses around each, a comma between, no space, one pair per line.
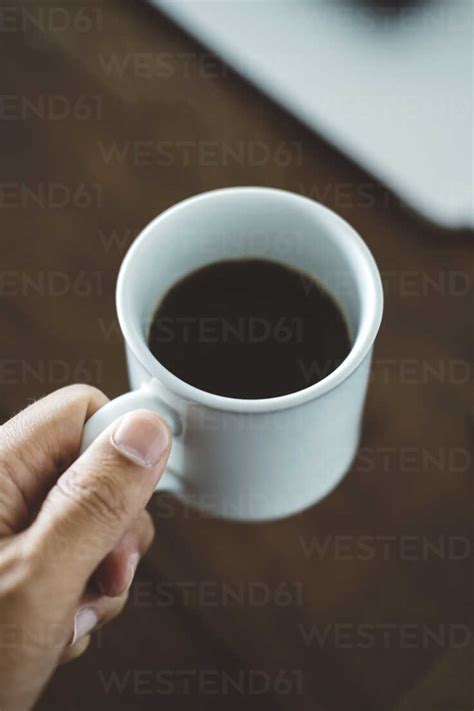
(110,114)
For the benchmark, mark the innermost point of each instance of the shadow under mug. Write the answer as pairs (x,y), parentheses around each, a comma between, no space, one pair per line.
(249,460)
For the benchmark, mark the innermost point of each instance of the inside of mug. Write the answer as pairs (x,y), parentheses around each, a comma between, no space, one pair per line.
(246,223)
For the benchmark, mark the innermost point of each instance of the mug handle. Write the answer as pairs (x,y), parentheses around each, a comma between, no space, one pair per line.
(145,398)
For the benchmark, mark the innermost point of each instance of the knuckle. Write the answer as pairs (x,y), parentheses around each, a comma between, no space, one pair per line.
(83,391)
(18,570)
(14,505)
(97,496)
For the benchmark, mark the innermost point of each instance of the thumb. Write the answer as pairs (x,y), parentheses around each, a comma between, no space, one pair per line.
(96,500)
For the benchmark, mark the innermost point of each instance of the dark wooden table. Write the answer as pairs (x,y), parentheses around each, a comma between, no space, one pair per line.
(109,114)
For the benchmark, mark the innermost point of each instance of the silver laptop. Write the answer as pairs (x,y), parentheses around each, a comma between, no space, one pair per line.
(391,88)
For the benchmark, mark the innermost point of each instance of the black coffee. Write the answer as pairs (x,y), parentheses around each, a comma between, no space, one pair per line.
(249,328)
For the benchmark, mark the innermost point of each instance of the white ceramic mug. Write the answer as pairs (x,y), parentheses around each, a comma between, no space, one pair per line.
(249,459)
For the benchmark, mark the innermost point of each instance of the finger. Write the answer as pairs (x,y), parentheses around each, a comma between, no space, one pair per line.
(74,651)
(94,612)
(36,446)
(115,573)
(97,499)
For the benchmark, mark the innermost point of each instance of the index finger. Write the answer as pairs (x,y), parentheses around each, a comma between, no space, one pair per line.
(37,445)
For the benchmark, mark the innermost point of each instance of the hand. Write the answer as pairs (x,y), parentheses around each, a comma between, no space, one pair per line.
(72,530)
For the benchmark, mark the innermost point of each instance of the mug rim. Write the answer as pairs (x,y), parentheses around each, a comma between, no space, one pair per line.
(360,348)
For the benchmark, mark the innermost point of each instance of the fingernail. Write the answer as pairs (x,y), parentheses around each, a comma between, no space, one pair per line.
(84,622)
(141,439)
(132,567)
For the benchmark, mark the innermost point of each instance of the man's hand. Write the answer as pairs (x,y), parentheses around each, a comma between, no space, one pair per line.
(72,530)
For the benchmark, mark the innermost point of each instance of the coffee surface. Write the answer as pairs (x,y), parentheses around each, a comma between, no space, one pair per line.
(249,328)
